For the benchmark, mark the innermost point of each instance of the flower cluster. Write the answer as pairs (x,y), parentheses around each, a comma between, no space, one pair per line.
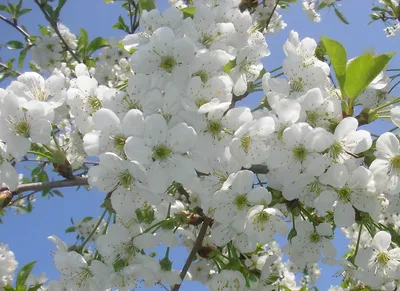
(182,165)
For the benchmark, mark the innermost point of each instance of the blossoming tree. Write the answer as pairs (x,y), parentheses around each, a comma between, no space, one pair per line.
(151,121)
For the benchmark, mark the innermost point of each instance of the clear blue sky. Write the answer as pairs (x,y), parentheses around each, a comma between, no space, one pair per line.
(27,235)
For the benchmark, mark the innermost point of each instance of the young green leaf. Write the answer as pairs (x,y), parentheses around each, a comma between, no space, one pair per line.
(188,11)
(338,57)
(340,16)
(14,44)
(83,40)
(21,58)
(147,5)
(357,74)
(96,44)
(380,62)
(4,8)
(24,273)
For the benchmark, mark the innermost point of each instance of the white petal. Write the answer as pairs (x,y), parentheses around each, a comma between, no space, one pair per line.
(382,241)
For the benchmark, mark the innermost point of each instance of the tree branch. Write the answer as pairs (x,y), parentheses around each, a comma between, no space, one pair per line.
(55,27)
(76,181)
(20,29)
(197,245)
(258,169)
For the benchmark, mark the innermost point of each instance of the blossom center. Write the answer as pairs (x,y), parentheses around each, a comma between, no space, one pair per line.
(395,162)
(245,143)
(300,153)
(312,117)
(161,152)
(214,127)
(315,237)
(296,86)
(336,149)
(119,142)
(382,258)
(344,194)
(94,102)
(202,74)
(167,63)
(126,179)
(22,128)
(262,217)
(241,201)
(200,102)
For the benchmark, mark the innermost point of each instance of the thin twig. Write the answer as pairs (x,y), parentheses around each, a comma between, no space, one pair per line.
(197,245)
(19,28)
(55,27)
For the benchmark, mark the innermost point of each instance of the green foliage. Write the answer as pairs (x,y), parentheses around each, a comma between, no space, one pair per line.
(121,24)
(354,76)
(340,15)
(188,11)
(14,44)
(147,5)
(24,273)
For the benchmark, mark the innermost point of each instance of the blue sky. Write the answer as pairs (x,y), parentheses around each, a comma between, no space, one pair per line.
(27,235)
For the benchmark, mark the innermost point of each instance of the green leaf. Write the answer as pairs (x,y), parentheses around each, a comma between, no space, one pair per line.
(96,44)
(8,288)
(147,5)
(357,73)
(83,40)
(35,288)
(14,44)
(58,193)
(380,62)
(24,11)
(44,30)
(340,16)
(322,6)
(24,273)
(70,229)
(21,58)
(121,24)
(87,218)
(338,57)
(59,7)
(4,8)
(188,11)
(229,66)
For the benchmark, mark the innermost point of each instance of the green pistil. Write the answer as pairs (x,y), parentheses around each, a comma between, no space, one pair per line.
(300,153)
(207,40)
(315,187)
(131,104)
(280,132)
(94,102)
(200,102)
(297,86)
(22,128)
(315,237)
(161,153)
(126,179)
(202,74)
(240,201)
(344,194)
(167,63)
(245,143)
(119,142)
(382,258)
(381,95)
(395,162)
(262,217)
(312,117)
(214,127)
(336,149)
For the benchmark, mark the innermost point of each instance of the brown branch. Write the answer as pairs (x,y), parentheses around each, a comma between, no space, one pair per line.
(20,29)
(197,245)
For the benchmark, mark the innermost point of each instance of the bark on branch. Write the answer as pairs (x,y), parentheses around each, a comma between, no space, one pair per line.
(197,245)
(76,181)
